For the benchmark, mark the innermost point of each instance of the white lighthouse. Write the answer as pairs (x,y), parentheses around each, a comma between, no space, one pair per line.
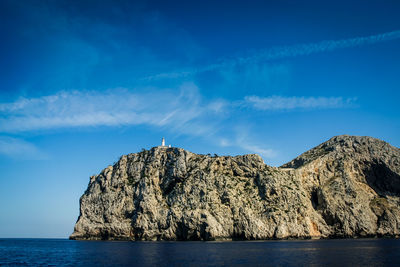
(163,141)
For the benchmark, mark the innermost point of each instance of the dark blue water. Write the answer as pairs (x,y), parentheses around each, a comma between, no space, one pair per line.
(350,252)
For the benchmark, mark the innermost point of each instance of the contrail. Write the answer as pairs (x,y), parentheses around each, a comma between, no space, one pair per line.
(285,52)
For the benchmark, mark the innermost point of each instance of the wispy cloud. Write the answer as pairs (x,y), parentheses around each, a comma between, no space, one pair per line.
(264,152)
(18,148)
(288,103)
(245,140)
(242,140)
(283,52)
(182,111)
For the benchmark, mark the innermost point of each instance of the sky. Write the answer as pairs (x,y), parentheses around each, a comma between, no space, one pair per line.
(84,82)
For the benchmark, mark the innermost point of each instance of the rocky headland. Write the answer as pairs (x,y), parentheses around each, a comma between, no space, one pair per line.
(348,186)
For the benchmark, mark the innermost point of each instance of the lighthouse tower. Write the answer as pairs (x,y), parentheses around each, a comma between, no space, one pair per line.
(163,141)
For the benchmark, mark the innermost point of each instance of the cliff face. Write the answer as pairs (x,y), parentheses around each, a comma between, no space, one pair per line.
(346,187)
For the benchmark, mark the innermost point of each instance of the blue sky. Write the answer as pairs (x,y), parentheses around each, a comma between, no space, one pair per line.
(84,82)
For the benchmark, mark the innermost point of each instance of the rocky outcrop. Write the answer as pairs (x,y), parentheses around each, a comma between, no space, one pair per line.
(346,187)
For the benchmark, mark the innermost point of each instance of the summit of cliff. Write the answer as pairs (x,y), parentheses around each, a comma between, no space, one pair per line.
(345,145)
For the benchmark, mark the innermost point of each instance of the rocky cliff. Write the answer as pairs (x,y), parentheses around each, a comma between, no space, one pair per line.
(348,186)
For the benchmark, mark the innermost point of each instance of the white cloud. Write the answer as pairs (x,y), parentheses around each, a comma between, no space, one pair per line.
(20,149)
(283,52)
(243,141)
(183,112)
(288,103)
(224,142)
(264,152)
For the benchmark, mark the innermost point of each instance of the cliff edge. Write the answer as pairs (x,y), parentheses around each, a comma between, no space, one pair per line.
(348,186)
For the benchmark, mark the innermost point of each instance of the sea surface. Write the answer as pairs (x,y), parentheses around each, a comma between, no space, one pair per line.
(61,252)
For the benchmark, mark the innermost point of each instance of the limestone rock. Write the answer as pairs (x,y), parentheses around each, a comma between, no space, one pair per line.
(348,186)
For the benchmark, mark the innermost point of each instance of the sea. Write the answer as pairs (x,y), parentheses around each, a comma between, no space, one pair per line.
(332,252)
